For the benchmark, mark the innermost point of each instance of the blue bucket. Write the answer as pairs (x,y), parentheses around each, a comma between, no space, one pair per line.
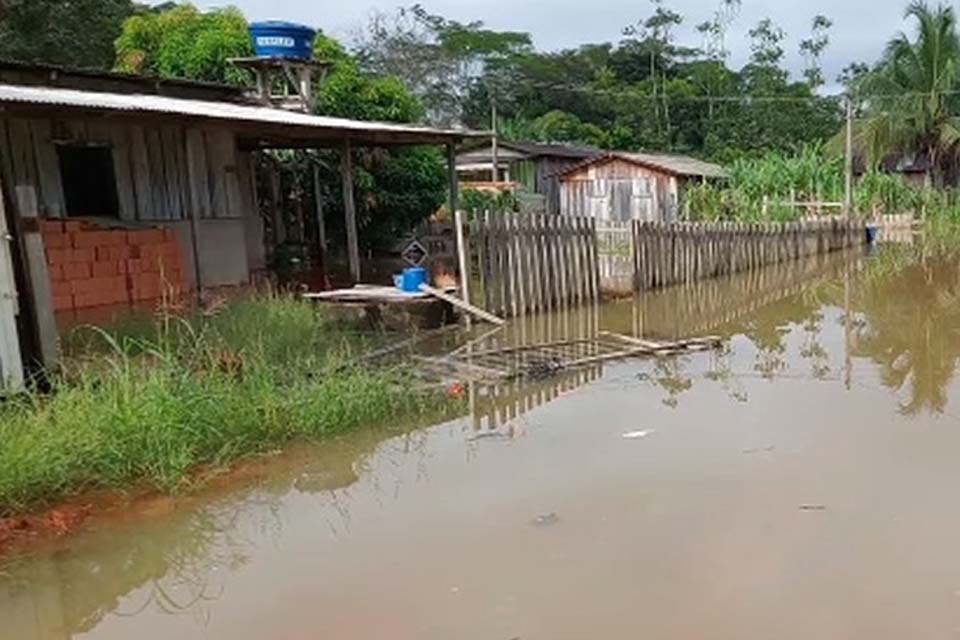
(275,39)
(872,232)
(413,278)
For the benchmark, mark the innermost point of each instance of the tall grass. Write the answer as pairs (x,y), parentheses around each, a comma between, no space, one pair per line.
(148,408)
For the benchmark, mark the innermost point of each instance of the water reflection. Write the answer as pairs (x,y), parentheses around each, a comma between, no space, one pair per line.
(910,327)
(903,315)
(175,556)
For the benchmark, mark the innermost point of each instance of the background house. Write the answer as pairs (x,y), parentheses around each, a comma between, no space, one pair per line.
(618,186)
(534,167)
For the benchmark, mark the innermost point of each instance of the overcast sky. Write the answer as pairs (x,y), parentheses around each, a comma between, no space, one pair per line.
(861,27)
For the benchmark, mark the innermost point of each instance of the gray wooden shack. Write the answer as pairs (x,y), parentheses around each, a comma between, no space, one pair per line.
(620,186)
(534,166)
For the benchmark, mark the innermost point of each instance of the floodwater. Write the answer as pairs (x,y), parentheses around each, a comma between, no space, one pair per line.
(798,483)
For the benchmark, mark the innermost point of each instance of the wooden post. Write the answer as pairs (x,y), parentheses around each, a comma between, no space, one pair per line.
(462,254)
(848,164)
(11,359)
(38,278)
(196,170)
(462,261)
(321,225)
(350,210)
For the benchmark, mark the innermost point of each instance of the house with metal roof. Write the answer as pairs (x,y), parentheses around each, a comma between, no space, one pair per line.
(532,166)
(115,185)
(619,186)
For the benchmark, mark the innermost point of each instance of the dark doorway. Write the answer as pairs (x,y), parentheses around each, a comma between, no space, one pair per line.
(89,184)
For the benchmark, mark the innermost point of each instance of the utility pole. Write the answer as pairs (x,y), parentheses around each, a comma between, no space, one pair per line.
(494,143)
(848,186)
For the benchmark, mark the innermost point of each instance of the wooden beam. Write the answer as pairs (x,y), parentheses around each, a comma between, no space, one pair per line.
(321,224)
(350,210)
(460,304)
(11,359)
(38,278)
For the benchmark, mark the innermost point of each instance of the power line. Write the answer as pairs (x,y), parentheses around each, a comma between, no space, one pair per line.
(627,93)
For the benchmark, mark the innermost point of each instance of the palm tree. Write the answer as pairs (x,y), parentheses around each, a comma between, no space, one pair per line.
(909,101)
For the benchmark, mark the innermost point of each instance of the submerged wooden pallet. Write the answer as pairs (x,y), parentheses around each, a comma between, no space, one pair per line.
(544,359)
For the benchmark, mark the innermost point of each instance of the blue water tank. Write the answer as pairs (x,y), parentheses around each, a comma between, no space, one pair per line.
(275,39)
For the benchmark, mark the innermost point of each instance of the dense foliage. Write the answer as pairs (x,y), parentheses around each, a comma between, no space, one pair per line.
(646,91)
(78,33)
(183,42)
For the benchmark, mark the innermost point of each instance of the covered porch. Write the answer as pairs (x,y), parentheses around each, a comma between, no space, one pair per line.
(180,164)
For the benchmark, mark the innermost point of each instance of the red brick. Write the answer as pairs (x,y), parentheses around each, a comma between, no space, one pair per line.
(114,238)
(145,237)
(82,255)
(62,303)
(55,272)
(56,240)
(61,288)
(76,270)
(86,239)
(72,226)
(59,256)
(104,269)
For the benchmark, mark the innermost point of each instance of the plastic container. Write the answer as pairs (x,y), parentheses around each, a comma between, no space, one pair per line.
(413,278)
(275,39)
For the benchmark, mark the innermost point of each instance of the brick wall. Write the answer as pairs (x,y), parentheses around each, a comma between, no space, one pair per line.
(92,265)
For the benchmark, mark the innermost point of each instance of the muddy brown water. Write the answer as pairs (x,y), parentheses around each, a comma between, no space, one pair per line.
(798,483)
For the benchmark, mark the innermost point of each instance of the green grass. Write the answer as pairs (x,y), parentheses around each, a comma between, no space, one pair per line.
(149,405)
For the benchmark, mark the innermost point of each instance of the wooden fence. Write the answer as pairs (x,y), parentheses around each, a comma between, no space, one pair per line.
(534,263)
(667,254)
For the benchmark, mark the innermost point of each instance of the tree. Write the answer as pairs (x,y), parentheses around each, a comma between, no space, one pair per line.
(714,31)
(437,59)
(395,190)
(182,42)
(76,33)
(812,49)
(909,101)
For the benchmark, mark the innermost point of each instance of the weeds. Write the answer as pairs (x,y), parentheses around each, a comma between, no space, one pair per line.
(150,407)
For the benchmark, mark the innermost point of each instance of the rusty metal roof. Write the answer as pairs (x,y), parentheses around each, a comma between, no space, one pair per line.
(672,164)
(276,123)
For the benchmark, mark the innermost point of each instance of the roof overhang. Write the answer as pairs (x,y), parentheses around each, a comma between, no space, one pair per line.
(260,127)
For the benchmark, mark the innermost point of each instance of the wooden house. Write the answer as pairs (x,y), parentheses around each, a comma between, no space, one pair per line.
(533,166)
(619,186)
(112,184)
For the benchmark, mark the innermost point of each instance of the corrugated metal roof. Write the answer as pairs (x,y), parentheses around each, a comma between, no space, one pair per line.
(208,109)
(676,165)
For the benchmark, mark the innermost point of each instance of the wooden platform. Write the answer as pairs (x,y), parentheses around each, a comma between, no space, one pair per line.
(374,306)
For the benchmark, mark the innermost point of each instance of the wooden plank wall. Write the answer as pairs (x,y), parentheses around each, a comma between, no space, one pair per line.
(163,171)
(668,254)
(535,263)
(618,192)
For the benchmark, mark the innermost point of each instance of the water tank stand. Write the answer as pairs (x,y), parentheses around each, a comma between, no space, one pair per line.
(294,78)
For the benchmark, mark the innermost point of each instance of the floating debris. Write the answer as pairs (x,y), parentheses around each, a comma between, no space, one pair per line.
(634,435)
(546,520)
(767,449)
